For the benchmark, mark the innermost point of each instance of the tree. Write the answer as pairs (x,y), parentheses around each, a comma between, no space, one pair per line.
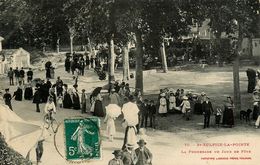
(168,19)
(10,156)
(126,69)
(14,20)
(235,18)
(48,24)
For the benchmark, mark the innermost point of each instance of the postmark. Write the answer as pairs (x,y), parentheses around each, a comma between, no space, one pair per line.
(82,139)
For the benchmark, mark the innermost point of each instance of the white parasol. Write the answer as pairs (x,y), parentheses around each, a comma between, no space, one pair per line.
(113,110)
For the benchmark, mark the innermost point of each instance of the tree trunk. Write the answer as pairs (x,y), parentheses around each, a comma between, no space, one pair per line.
(89,45)
(126,73)
(111,61)
(139,62)
(71,44)
(58,45)
(163,55)
(43,47)
(250,46)
(237,95)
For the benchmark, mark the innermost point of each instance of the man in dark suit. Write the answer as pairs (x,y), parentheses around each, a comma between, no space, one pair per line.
(22,75)
(144,113)
(207,110)
(129,156)
(29,75)
(144,156)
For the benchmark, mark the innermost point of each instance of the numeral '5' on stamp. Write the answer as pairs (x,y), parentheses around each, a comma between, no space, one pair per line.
(82,139)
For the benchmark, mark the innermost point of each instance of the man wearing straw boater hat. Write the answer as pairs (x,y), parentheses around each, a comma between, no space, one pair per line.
(117,159)
(144,156)
(129,157)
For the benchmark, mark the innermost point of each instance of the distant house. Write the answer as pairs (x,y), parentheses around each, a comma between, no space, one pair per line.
(13,58)
(203,32)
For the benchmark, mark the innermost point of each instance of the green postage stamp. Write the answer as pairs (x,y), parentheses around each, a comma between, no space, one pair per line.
(82,139)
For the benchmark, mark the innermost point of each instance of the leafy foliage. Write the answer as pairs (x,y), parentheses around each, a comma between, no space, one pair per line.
(9,156)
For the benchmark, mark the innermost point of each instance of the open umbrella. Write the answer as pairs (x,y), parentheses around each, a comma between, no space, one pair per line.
(113,110)
(48,64)
(96,91)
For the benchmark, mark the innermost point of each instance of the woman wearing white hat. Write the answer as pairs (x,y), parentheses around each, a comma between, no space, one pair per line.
(185,107)
(163,105)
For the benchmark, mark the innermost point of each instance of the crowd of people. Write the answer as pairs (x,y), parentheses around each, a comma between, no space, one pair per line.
(138,112)
(187,104)
(16,75)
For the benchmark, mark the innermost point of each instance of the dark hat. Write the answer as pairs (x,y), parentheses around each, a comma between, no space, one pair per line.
(7,89)
(131,98)
(83,90)
(117,152)
(75,85)
(141,141)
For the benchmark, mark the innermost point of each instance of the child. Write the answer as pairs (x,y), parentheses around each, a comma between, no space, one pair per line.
(172,101)
(218,116)
(111,128)
(144,113)
(7,98)
(163,105)
(39,150)
(83,101)
(152,113)
(142,134)
(60,101)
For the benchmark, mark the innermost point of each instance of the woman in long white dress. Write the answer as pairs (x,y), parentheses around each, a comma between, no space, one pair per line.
(185,107)
(111,128)
(163,105)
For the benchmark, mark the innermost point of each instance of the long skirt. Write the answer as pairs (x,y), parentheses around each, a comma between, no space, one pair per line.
(162,109)
(130,136)
(28,93)
(255,112)
(48,73)
(67,102)
(98,109)
(19,95)
(111,129)
(228,117)
(76,102)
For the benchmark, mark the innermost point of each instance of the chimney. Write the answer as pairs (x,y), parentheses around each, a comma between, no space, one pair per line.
(1,39)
